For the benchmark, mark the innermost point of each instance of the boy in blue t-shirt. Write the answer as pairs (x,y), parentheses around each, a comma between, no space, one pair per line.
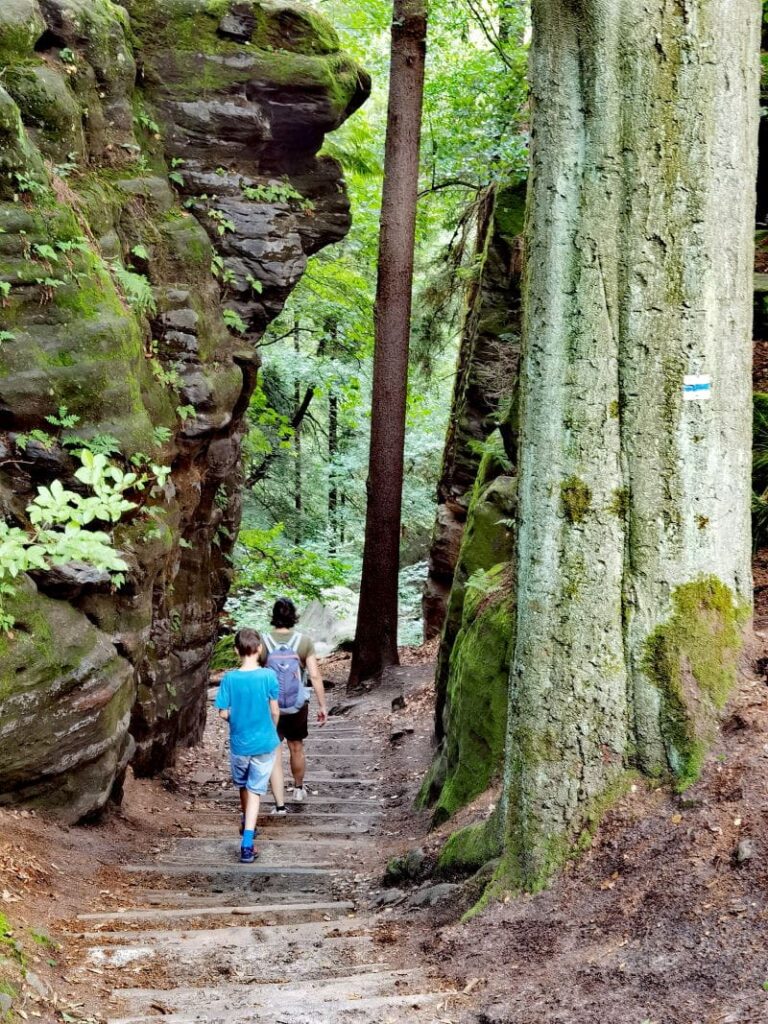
(247,699)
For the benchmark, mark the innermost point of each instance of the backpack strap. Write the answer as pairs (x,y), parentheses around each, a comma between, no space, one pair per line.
(269,643)
(295,642)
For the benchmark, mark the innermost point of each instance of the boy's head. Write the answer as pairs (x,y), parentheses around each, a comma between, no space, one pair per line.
(247,643)
(284,614)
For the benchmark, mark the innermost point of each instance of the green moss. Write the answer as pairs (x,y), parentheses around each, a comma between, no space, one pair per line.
(619,505)
(509,211)
(692,659)
(470,848)
(224,655)
(477,692)
(576,498)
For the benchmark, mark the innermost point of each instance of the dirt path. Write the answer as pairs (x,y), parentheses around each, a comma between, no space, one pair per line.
(293,938)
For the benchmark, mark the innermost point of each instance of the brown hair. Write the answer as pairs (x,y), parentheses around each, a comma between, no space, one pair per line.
(247,642)
(284,614)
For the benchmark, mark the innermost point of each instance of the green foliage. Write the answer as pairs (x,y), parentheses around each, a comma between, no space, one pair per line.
(168,377)
(136,289)
(222,222)
(64,418)
(278,192)
(161,436)
(234,321)
(270,567)
(224,655)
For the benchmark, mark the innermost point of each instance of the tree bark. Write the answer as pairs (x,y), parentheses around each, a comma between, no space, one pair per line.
(333,485)
(298,496)
(376,635)
(634,535)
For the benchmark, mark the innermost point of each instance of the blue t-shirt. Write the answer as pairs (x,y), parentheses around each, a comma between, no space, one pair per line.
(246,695)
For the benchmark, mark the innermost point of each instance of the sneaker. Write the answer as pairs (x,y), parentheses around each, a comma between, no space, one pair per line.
(247,855)
(279,812)
(299,794)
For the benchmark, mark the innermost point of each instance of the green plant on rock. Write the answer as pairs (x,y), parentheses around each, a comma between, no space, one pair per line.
(222,222)
(278,192)
(167,377)
(136,289)
(234,321)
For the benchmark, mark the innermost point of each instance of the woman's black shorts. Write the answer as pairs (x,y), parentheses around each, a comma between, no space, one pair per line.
(294,726)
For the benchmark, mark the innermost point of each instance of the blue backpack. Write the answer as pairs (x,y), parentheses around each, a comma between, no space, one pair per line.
(284,660)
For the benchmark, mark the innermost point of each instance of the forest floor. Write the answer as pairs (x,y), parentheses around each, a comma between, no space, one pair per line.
(663,921)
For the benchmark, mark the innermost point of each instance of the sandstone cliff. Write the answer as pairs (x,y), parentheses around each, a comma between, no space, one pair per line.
(158,167)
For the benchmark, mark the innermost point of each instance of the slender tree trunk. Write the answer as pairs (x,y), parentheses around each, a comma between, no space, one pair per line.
(298,498)
(333,487)
(634,553)
(376,636)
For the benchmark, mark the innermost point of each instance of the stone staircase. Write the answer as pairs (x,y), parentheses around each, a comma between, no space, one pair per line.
(291,939)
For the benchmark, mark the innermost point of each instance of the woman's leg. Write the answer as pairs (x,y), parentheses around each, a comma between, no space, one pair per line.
(277,780)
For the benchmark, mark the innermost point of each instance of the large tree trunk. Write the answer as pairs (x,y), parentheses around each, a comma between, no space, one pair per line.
(634,556)
(376,635)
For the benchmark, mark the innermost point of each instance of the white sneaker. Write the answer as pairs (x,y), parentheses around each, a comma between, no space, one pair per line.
(299,794)
(278,812)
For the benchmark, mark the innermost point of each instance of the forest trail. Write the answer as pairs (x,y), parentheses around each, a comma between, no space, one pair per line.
(292,939)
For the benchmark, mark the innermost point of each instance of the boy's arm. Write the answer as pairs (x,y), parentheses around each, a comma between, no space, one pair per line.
(316,679)
(222,700)
(274,710)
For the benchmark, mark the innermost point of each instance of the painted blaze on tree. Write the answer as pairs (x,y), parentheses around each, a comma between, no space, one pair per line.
(634,580)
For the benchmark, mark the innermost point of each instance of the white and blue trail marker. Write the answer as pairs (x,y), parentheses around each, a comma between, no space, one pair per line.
(697,388)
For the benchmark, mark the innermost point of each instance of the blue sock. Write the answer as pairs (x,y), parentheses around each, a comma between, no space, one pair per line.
(248,835)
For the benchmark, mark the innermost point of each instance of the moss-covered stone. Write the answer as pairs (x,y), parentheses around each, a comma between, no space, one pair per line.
(21,25)
(145,362)
(21,167)
(470,848)
(693,661)
(473,660)
(477,691)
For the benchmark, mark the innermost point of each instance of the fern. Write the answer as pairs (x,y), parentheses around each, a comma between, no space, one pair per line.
(137,290)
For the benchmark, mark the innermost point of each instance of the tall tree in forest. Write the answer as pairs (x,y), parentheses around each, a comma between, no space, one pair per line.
(633,580)
(376,635)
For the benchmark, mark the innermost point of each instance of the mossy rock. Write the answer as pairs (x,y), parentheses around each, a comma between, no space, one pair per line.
(488,541)
(20,162)
(469,849)
(21,25)
(61,680)
(47,104)
(693,660)
(478,687)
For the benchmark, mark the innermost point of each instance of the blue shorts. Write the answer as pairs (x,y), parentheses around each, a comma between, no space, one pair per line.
(252,771)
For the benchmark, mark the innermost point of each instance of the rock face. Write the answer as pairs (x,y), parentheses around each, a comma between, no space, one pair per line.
(474,658)
(158,168)
(487,370)
(469,592)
